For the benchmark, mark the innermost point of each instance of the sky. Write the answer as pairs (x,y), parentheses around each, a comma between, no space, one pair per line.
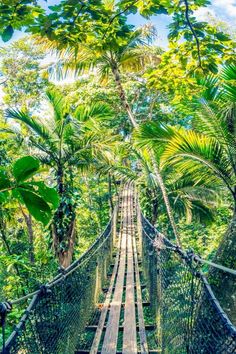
(222,9)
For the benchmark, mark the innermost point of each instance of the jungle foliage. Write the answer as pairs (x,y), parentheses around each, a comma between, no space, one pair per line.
(89,100)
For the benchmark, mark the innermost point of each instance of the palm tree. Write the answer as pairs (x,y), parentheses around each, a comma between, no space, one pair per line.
(66,140)
(209,154)
(129,52)
(187,198)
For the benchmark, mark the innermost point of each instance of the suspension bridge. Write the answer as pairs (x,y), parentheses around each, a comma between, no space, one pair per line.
(133,291)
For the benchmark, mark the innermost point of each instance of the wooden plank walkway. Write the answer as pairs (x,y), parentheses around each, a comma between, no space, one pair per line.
(124,295)
(111,335)
(105,308)
(141,324)
(129,336)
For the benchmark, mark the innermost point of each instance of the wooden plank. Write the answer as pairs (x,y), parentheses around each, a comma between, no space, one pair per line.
(106,305)
(110,274)
(145,304)
(129,337)
(142,332)
(97,337)
(111,334)
(148,327)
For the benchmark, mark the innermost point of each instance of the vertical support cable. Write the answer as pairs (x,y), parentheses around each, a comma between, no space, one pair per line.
(159,300)
(139,229)
(5,308)
(114,222)
(153,278)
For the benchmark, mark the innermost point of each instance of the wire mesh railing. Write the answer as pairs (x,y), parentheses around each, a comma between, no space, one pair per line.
(189,317)
(60,310)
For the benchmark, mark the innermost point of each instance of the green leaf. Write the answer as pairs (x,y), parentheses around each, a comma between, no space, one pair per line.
(36,205)
(25,167)
(4,179)
(213,68)
(4,196)
(7,33)
(49,195)
(222,36)
(188,36)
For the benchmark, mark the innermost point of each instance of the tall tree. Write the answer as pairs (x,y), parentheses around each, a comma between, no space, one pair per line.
(208,152)
(65,140)
(23,80)
(125,50)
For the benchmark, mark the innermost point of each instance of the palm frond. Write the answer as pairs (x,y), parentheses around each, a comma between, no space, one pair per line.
(73,62)
(59,104)
(228,73)
(60,112)
(44,159)
(227,79)
(199,155)
(210,84)
(96,111)
(138,58)
(153,135)
(200,212)
(211,123)
(119,171)
(32,123)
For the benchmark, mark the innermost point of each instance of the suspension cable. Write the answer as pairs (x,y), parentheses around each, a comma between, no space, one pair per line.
(64,275)
(215,265)
(24,298)
(172,247)
(69,270)
(57,280)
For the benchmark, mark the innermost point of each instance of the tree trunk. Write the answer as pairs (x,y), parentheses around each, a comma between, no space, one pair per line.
(160,181)
(122,95)
(165,198)
(100,205)
(60,180)
(5,241)
(115,185)
(110,194)
(65,255)
(154,210)
(28,221)
(224,283)
(63,231)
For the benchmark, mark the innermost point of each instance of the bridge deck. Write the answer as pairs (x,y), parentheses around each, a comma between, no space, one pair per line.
(124,292)
(129,336)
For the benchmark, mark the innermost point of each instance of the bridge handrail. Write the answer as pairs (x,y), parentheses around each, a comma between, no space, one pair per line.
(73,266)
(188,258)
(59,278)
(194,256)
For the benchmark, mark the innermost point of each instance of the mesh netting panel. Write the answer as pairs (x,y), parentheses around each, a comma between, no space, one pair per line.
(57,315)
(190,318)
(212,331)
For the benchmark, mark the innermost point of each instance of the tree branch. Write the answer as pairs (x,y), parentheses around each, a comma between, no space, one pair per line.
(117,15)
(193,32)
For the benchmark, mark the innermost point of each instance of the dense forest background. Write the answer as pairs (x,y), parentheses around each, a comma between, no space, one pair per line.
(89,100)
